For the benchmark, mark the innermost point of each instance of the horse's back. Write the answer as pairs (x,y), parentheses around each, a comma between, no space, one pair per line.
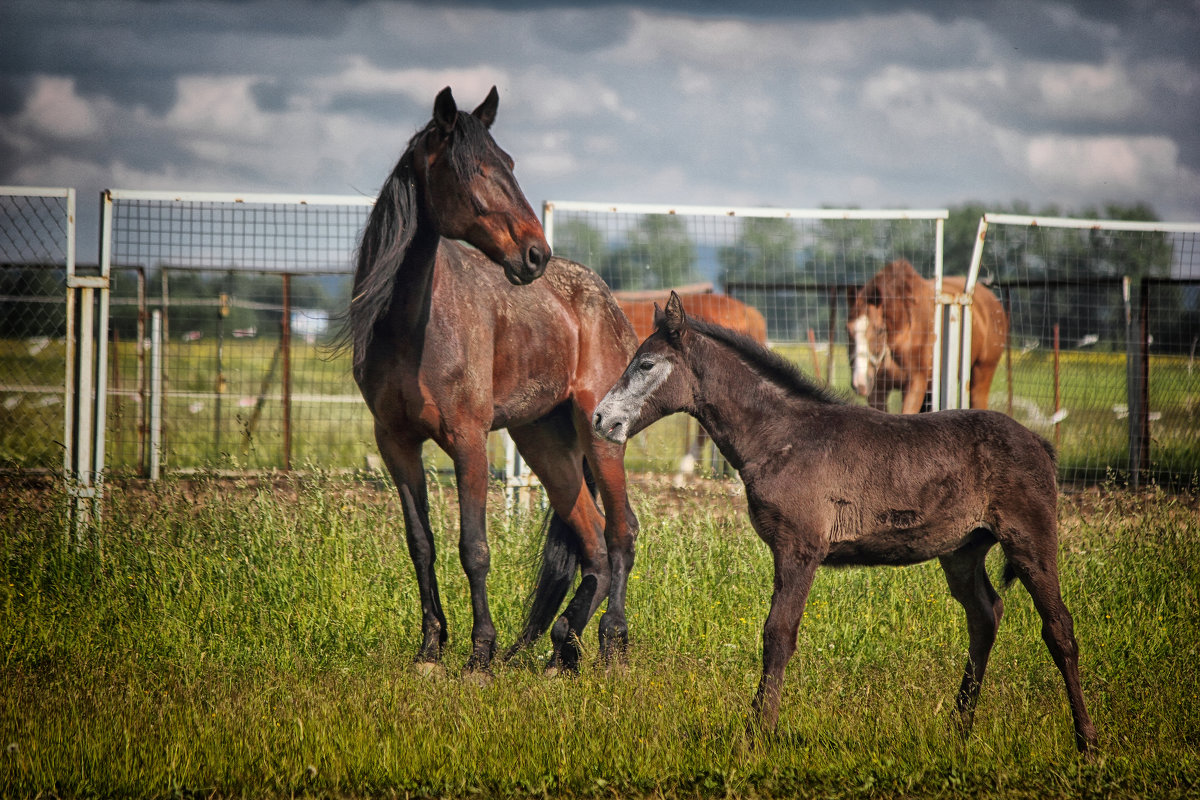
(896,489)
(721,309)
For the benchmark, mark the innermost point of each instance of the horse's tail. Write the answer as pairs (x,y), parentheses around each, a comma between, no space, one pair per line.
(1008,575)
(556,574)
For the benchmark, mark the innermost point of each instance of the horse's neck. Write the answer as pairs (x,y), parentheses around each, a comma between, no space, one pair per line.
(733,400)
(413,291)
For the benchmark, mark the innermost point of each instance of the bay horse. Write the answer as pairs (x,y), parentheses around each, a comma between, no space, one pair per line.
(891,337)
(451,341)
(830,482)
(703,303)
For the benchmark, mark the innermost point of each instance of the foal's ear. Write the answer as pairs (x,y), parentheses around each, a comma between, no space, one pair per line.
(674,319)
(445,111)
(486,113)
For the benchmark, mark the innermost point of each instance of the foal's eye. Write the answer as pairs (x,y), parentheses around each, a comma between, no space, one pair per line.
(646,366)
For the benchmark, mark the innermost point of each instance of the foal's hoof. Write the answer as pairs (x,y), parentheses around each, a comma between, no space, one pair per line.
(430,670)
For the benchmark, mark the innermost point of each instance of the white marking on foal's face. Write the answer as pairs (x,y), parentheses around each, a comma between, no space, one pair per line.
(622,407)
(862,355)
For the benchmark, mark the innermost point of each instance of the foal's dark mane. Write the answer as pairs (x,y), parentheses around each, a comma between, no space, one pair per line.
(391,227)
(767,363)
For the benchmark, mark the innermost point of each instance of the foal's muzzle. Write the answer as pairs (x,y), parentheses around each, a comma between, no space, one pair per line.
(609,426)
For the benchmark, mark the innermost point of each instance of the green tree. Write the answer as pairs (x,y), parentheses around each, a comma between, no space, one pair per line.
(658,254)
(766,252)
(576,240)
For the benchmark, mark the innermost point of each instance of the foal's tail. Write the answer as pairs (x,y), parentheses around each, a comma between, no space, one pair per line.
(556,574)
(1008,575)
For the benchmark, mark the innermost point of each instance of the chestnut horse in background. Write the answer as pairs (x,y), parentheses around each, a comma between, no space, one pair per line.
(452,341)
(703,303)
(891,337)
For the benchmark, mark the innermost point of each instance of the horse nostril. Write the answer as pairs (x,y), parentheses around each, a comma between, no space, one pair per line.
(537,257)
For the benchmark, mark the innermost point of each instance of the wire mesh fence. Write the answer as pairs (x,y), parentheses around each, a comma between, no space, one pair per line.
(1105,324)
(797,271)
(35,247)
(249,289)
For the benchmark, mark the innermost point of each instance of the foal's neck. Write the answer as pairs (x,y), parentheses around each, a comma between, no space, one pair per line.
(737,405)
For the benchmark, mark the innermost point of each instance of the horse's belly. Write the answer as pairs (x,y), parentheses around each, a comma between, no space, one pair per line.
(521,401)
(897,546)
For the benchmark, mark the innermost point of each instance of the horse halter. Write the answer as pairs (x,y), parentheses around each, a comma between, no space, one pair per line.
(884,354)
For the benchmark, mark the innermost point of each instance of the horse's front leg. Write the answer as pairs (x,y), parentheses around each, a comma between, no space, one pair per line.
(794,570)
(914,392)
(471,475)
(403,459)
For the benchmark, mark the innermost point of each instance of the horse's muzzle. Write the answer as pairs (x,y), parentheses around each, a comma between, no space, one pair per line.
(532,265)
(609,427)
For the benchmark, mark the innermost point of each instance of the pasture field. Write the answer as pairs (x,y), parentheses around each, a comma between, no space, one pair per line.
(247,638)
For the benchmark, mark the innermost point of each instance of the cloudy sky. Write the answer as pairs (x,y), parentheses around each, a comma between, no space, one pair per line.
(794,104)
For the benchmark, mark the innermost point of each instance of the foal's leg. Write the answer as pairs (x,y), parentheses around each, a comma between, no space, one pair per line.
(469,453)
(403,460)
(550,448)
(1040,577)
(794,573)
(969,584)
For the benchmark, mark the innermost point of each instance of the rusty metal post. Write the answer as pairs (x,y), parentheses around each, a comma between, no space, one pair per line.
(812,346)
(833,307)
(1057,393)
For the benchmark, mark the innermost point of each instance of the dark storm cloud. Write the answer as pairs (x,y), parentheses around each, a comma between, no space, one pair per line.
(761,102)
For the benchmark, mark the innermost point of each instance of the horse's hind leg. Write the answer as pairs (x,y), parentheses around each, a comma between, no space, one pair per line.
(403,460)
(1040,577)
(552,450)
(969,584)
(1031,544)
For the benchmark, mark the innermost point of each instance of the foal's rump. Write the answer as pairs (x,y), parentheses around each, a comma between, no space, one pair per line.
(912,488)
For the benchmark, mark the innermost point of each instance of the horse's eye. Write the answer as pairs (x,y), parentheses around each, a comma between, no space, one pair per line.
(646,366)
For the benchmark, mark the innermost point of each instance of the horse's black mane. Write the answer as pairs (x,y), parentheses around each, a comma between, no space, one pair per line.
(391,227)
(772,366)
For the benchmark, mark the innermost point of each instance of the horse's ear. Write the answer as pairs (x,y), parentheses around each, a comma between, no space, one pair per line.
(445,110)
(486,113)
(872,296)
(674,317)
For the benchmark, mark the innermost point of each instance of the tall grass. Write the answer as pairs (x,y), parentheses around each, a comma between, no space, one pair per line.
(236,640)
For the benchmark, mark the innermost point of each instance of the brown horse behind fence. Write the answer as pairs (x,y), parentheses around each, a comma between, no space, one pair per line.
(891,337)
(703,303)
(832,483)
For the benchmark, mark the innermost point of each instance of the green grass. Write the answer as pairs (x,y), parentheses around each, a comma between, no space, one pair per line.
(236,639)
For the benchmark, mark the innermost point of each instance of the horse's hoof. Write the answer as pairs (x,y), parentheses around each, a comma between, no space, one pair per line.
(552,671)
(430,670)
(478,677)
